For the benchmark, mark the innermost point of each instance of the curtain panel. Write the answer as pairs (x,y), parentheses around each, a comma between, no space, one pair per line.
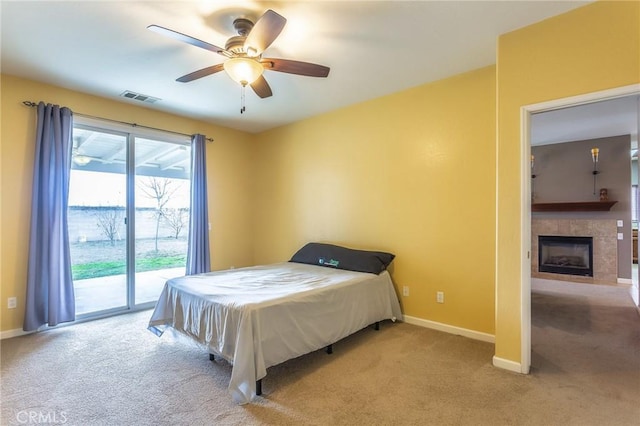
(198,257)
(50,297)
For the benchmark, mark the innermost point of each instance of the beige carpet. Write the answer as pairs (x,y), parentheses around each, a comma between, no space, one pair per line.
(586,371)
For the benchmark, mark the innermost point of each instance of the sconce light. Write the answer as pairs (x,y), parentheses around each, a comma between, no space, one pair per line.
(594,156)
(533,176)
(533,158)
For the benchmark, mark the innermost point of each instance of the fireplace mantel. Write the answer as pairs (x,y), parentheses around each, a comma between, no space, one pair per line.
(582,206)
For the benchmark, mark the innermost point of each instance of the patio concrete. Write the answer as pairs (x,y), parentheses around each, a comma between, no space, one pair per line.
(98,294)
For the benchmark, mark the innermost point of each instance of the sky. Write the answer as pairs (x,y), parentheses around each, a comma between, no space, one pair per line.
(92,189)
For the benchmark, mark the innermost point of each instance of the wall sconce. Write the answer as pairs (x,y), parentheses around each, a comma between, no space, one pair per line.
(533,160)
(594,156)
(533,176)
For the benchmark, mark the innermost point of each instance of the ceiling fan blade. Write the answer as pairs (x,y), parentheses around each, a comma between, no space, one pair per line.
(264,32)
(189,40)
(261,87)
(201,73)
(295,67)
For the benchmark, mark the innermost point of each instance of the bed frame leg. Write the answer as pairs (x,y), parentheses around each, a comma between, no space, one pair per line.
(329,349)
(376,326)
(212,357)
(259,387)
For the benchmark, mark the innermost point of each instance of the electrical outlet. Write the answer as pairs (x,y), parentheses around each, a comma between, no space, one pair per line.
(405,290)
(620,223)
(620,236)
(12,302)
(440,297)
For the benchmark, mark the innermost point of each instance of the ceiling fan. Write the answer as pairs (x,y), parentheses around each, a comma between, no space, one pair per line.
(244,62)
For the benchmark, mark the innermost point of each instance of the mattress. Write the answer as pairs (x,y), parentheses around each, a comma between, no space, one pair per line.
(260,316)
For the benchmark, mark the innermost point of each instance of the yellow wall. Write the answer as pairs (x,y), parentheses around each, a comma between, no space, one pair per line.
(228,163)
(412,173)
(592,48)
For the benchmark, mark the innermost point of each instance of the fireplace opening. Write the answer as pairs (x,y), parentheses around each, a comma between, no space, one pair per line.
(565,255)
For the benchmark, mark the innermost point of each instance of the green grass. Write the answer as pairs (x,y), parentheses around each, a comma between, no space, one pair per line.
(103,269)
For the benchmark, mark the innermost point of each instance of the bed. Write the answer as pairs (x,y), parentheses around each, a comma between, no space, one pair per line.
(260,316)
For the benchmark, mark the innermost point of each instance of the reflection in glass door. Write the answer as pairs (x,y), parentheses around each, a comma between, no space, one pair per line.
(96,217)
(162,173)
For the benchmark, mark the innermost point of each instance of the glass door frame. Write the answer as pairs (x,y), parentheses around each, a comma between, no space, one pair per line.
(131,224)
(130,133)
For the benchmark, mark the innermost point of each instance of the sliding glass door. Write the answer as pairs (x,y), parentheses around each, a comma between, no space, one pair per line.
(161,215)
(128,217)
(97,220)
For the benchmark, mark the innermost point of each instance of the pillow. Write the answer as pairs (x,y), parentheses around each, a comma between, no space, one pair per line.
(343,258)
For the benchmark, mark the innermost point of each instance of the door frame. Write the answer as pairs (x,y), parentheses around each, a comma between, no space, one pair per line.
(525,200)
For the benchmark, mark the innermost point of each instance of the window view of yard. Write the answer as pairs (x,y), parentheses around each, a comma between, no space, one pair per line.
(99,258)
(97,218)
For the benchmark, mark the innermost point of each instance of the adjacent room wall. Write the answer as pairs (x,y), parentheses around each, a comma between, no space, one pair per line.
(412,173)
(228,163)
(564,173)
(589,49)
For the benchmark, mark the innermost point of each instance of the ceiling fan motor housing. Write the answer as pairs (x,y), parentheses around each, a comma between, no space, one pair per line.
(243,26)
(235,44)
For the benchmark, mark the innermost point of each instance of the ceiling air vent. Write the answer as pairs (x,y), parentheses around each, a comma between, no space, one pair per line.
(139,97)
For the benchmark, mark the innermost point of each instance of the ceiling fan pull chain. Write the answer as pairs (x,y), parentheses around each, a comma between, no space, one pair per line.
(242,106)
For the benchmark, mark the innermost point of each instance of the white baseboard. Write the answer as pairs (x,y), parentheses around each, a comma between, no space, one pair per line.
(507,364)
(476,335)
(628,281)
(13,333)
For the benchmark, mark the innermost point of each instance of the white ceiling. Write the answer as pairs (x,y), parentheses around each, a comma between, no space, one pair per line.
(612,117)
(372,47)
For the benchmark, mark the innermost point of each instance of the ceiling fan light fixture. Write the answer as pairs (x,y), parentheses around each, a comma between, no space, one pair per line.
(79,159)
(243,70)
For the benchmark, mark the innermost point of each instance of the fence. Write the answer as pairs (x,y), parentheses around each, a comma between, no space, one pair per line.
(84,223)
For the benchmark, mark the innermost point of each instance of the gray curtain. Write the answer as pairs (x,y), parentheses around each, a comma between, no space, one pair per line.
(198,260)
(50,297)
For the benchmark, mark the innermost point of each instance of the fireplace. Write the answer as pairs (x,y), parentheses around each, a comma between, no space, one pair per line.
(565,255)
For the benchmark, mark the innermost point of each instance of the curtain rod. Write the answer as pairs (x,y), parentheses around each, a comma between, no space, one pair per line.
(33,104)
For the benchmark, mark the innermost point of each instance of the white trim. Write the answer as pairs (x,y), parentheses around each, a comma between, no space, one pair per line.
(8,334)
(508,365)
(627,281)
(472,334)
(525,248)
(588,98)
(525,202)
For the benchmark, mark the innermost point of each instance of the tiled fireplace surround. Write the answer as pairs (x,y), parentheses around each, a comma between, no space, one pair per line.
(605,247)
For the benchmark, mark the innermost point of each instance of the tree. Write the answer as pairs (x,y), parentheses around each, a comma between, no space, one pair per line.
(176,219)
(160,190)
(109,219)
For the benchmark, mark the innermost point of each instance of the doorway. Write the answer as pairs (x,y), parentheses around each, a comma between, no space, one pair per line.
(526,118)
